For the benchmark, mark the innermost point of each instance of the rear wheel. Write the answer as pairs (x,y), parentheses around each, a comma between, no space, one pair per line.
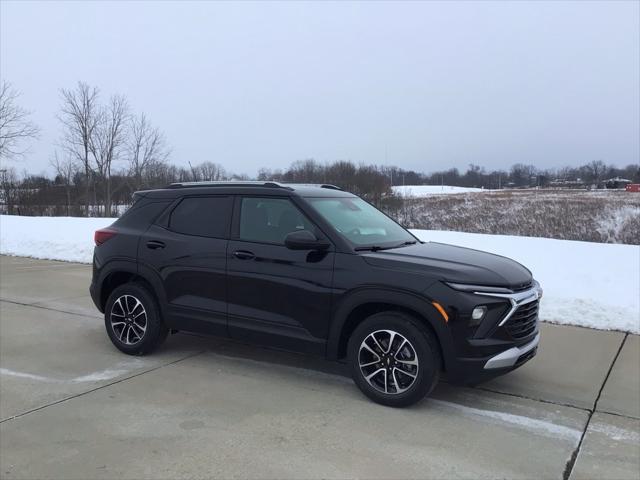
(133,321)
(394,359)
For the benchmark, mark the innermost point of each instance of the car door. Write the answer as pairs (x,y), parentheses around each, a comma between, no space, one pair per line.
(188,251)
(277,296)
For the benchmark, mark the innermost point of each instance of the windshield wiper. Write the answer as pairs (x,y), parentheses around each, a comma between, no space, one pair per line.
(376,248)
(372,248)
(410,242)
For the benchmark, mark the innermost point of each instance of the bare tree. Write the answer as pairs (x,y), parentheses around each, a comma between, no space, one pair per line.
(15,126)
(211,172)
(9,188)
(65,171)
(79,116)
(146,146)
(108,140)
(595,170)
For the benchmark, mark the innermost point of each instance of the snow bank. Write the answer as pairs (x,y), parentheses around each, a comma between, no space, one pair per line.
(593,285)
(54,238)
(417,191)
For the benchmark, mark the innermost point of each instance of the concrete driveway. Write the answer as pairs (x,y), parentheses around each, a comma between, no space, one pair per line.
(72,406)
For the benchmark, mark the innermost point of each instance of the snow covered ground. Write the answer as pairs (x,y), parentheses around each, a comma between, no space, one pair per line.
(589,284)
(53,238)
(418,191)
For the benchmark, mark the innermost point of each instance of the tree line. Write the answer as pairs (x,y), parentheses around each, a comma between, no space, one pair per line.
(106,151)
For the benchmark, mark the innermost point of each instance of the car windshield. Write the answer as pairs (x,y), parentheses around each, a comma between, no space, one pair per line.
(360,223)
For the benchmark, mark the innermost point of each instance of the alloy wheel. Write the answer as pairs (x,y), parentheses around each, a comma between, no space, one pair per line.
(128,319)
(388,362)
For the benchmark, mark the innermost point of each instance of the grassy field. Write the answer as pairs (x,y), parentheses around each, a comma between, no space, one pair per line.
(593,216)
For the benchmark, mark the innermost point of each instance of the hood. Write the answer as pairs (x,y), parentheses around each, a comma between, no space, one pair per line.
(453,264)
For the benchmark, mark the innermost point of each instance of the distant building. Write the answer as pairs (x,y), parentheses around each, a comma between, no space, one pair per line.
(561,183)
(617,182)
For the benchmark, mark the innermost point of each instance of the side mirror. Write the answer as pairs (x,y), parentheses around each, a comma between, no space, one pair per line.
(304,240)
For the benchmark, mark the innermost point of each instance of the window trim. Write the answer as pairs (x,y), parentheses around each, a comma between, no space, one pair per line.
(227,231)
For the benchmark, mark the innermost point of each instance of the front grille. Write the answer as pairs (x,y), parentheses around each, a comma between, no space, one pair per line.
(523,322)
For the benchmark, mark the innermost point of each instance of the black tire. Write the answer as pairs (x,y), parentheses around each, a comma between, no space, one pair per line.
(421,341)
(155,330)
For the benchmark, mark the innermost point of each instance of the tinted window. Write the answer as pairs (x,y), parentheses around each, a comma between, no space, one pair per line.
(141,214)
(203,216)
(359,222)
(270,220)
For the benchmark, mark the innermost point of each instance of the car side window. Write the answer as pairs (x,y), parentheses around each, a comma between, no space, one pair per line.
(270,220)
(202,216)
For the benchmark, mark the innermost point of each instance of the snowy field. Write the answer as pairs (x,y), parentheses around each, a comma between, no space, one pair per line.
(419,191)
(589,284)
(604,216)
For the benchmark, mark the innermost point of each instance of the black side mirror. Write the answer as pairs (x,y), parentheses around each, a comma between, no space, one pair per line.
(304,240)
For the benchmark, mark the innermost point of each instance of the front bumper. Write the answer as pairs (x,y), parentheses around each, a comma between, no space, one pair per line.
(512,356)
(503,342)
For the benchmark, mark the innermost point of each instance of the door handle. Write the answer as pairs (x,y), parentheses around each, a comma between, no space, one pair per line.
(243,255)
(155,244)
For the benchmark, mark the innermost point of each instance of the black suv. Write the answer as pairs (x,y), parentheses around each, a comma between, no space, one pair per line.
(312,269)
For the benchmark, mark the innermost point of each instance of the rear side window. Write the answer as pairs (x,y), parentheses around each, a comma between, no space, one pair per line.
(202,216)
(141,214)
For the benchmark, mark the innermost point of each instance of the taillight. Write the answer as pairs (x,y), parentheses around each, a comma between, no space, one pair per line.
(103,235)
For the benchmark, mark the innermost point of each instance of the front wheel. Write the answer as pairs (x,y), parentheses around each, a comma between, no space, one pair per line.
(394,359)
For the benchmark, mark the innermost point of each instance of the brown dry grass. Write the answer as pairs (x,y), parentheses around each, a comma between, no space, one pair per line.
(597,216)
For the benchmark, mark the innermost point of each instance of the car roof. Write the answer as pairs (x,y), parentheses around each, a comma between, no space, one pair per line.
(269,188)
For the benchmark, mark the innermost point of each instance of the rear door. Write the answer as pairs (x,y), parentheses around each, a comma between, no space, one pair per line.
(277,296)
(189,254)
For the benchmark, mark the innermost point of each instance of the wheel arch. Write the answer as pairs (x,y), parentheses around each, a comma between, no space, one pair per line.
(363,303)
(118,273)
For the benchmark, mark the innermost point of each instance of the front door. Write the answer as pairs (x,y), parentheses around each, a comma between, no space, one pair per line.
(276,295)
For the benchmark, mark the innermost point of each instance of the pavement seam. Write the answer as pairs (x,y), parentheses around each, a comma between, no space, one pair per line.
(35,305)
(568,469)
(100,387)
(525,397)
(622,415)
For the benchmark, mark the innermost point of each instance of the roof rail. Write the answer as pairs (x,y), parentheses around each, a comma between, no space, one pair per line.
(330,187)
(228,184)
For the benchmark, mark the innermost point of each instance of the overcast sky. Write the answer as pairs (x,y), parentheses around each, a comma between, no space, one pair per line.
(422,85)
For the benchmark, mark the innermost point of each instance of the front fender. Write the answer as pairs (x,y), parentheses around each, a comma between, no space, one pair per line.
(418,304)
